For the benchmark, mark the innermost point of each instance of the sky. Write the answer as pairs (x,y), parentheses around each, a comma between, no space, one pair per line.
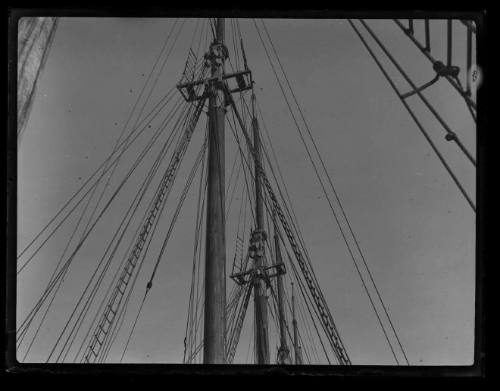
(415,228)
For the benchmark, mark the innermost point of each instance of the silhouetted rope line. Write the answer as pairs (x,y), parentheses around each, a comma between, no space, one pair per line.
(163,153)
(249,169)
(182,143)
(133,285)
(93,275)
(311,270)
(197,332)
(143,89)
(306,148)
(191,302)
(118,270)
(199,291)
(159,104)
(33,312)
(418,124)
(112,299)
(173,111)
(116,147)
(68,262)
(124,258)
(134,324)
(94,190)
(288,209)
(149,285)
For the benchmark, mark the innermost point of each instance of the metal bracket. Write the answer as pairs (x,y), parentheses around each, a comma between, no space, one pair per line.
(241,81)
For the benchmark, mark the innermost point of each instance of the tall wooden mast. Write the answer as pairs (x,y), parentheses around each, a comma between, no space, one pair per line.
(215,254)
(258,238)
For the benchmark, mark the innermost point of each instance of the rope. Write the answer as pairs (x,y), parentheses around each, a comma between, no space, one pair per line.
(174,219)
(199,208)
(124,258)
(135,322)
(88,285)
(115,164)
(169,176)
(336,196)
(87,181)
(130,116)
(68,262)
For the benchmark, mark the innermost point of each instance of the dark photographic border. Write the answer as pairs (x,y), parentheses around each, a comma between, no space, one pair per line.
(12,365)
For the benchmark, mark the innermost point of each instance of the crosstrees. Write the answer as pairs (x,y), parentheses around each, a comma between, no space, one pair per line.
(326,318)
